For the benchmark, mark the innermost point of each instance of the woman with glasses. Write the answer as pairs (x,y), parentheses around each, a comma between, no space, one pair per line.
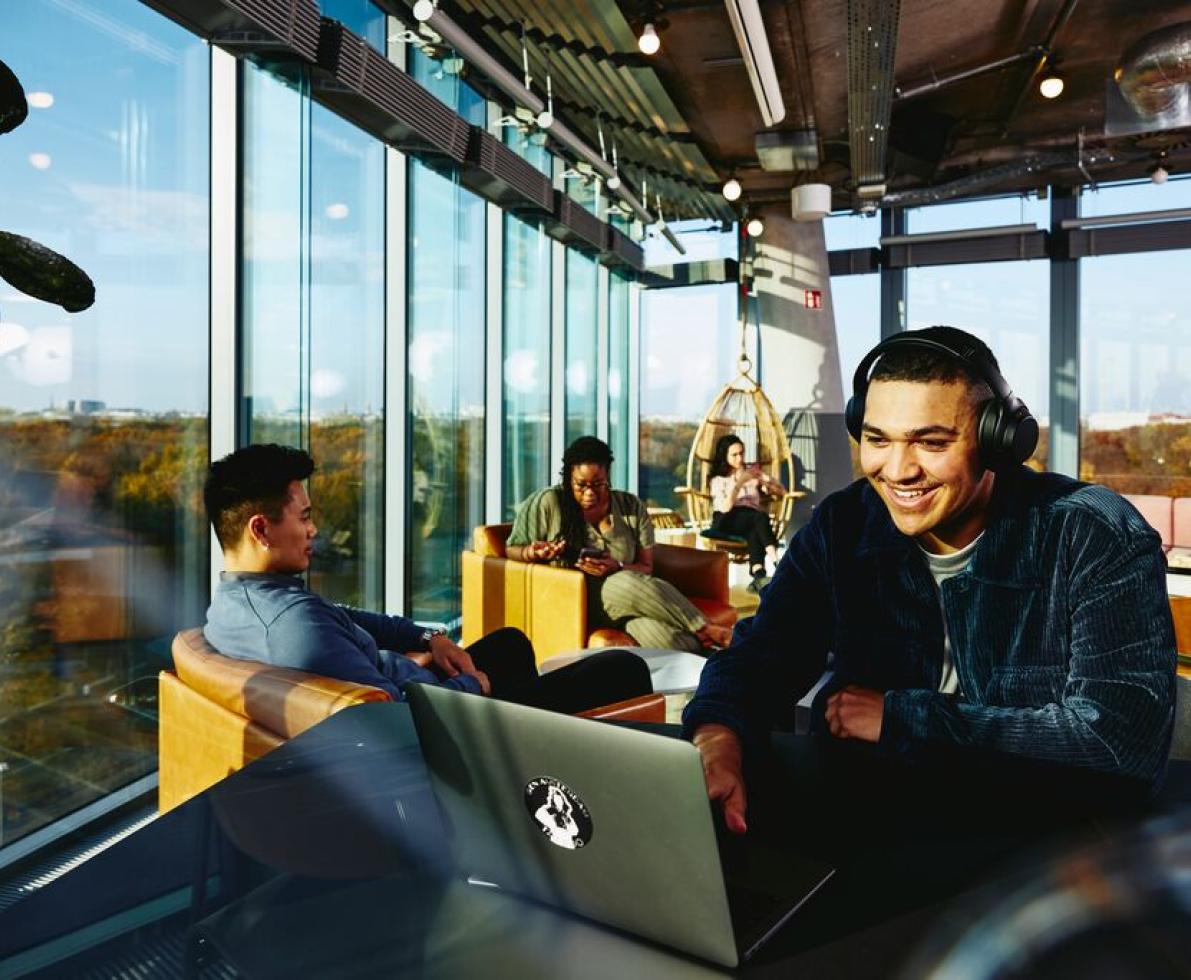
(607,534)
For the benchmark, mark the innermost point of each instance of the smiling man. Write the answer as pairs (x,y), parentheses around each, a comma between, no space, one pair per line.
(969,602)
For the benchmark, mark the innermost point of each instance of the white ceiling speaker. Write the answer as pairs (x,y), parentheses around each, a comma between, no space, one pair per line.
(810,202)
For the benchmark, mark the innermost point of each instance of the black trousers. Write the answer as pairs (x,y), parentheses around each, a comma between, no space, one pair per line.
(506,656)
(750,524)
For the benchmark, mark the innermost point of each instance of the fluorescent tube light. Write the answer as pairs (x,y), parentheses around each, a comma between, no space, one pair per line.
(758,60)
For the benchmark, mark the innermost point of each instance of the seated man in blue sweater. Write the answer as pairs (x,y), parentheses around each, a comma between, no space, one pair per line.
(262,610)
(977,611)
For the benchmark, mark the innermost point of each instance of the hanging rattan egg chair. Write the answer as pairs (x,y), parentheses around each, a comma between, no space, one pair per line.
(744,410)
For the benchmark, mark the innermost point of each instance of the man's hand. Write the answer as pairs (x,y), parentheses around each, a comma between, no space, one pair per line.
(485,684)
(720,749)
(599,567)
(855,712)
(450,659)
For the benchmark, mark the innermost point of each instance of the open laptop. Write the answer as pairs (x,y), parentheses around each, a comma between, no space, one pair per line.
(604,821)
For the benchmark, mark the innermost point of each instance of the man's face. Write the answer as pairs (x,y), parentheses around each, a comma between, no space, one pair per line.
(291,539)
(918,450)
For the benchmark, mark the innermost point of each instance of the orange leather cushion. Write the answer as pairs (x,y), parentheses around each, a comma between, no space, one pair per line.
(489,540)
(608,637)
(200,742)
(717,613)
(284,701)
(647,707)
(693,571)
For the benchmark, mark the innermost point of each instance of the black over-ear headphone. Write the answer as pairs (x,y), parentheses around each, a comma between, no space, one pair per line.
(1006,432)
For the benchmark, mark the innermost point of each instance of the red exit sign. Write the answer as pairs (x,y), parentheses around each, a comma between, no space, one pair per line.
(812,299)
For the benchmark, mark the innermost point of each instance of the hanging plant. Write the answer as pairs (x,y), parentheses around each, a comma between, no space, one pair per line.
(27,265)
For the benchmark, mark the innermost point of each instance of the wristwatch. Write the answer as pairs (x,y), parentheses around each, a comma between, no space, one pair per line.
(428,636)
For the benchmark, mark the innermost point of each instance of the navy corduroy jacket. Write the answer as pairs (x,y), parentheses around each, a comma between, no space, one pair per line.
(1060,631)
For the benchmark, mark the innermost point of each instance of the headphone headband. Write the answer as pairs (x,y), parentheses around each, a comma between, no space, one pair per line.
(972,359)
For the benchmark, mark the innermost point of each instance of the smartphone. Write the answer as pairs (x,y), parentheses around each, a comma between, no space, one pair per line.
(590,552)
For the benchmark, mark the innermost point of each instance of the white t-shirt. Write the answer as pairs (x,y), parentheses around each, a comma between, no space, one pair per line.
(943,567)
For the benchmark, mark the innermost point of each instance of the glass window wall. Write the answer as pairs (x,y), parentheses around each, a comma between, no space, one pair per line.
(1005,304)
(581,346)
(619,295)
(103,413)
(687,355)
(527,463)
(347,329)
(1135,372)
(445,479)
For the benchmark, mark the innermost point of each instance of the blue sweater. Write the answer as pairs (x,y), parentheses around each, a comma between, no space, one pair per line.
(275,619)
(1060,631)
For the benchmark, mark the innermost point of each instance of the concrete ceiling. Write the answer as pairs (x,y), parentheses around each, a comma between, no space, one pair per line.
(687,116)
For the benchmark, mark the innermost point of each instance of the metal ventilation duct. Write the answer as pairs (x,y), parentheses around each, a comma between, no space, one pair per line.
(1154,74)
(972,184)
(872,47)
(245,26)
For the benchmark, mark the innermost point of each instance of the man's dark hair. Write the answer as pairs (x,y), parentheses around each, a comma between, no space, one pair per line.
(252,480)
(585,449)
(913,363)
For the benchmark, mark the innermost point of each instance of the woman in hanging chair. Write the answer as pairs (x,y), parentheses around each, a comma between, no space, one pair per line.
(740,498)
(608,535)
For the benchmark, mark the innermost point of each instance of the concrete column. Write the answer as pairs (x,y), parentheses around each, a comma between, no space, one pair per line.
(799,355)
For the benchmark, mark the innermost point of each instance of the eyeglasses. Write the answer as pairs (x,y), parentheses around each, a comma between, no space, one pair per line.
(597,487)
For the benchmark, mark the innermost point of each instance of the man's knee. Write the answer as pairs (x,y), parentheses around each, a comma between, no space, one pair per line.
(622,668)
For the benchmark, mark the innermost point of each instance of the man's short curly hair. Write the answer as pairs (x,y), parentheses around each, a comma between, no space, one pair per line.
(910,362)
(252,480)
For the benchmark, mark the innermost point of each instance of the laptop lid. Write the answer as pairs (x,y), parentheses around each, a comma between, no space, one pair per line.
(605,821)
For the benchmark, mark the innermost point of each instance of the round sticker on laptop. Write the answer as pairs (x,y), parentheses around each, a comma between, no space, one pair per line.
(558,812)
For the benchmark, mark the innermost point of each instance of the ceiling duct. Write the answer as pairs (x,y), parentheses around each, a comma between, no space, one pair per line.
(363,86)
(973,184)
(1154,74)
(872,47)
(249,26)
(620,251)
(782,152)
(469,49)
(499,175)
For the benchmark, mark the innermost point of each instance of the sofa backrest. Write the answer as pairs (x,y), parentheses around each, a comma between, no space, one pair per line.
(1182,522)
(1158,510)
(489,540)
(278,699)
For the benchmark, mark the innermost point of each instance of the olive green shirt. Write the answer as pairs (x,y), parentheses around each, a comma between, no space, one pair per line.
(539,518)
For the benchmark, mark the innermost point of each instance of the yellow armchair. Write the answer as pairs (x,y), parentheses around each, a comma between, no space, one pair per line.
(549,604)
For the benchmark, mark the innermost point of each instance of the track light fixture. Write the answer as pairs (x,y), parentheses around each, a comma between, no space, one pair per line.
(732,189)
(648,41)
(1050,82)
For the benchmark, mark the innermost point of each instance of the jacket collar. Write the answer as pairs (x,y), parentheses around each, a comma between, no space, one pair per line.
(1013,524)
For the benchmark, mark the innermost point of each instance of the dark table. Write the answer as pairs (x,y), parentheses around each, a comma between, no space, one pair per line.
(329,857)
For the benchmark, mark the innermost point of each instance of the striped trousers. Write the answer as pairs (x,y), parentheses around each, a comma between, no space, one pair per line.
(651,610)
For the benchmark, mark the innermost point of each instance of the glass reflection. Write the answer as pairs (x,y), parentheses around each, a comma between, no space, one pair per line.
(527,362)
(1135,373)
(445,478)
(686,358)
(347,329)
(581,346)
(103,414)
(618,377)
(1005,304)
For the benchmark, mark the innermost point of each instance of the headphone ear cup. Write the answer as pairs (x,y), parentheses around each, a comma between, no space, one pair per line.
(989,434)
(1023,439)
(854,416)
